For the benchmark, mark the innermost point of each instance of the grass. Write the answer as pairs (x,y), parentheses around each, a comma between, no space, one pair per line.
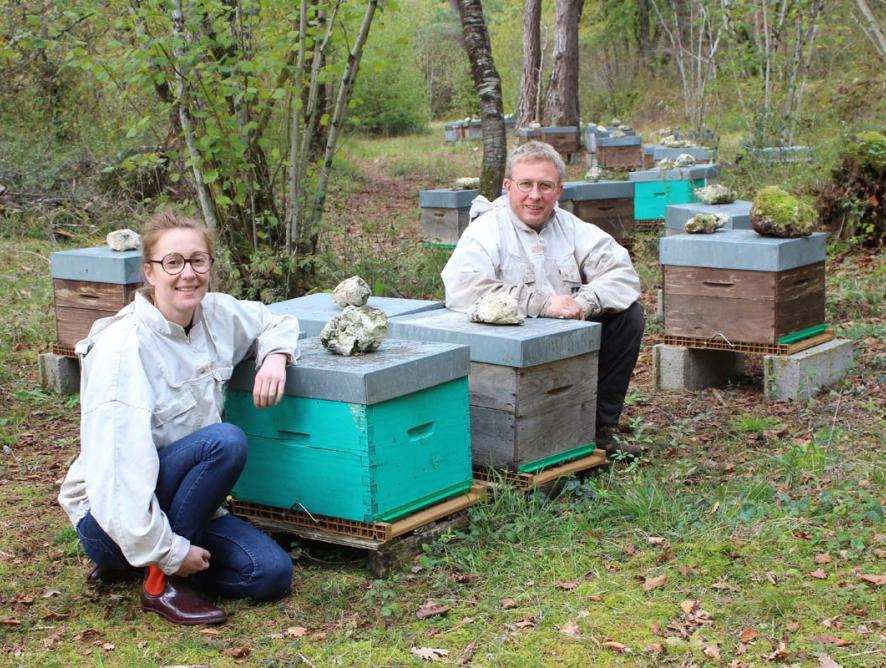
(767,514)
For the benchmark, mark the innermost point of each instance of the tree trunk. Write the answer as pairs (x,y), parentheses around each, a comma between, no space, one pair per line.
(873,31)
(561,103)
(526,112)
(642,32)
(488,85)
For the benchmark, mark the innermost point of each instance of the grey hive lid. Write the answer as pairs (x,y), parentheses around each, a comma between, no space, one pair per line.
(680,174)
(738,213)
(536,341)
(580,191)
(314,311)
(742,250)
(446,198)
(396,369)
(697,152)
(99,264)
(627,140)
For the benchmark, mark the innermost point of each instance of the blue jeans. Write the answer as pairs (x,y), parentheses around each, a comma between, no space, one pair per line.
(197,472)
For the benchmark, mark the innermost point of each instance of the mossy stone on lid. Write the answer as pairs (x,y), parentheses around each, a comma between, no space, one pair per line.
(777,213)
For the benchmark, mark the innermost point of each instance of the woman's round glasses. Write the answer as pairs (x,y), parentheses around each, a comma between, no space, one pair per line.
(174,263)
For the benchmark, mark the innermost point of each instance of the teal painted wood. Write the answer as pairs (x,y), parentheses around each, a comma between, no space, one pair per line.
(651,198)
(353,461)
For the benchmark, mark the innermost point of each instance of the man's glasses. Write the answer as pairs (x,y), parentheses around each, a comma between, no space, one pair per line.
(544,187)
(174,264)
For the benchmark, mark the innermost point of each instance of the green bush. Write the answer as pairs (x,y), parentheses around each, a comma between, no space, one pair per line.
(853,202)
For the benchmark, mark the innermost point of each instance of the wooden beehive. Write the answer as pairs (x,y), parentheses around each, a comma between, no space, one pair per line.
(564,139)
(367,438)
(655,189)
(619,152)
(88,284)
(533,388)
(702,155)
(445,214)
(739,287)
(607,204)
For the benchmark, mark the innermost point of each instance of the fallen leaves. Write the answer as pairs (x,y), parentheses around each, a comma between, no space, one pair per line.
(711,650)
(824,661)
(689,606)
(747,635)
(431,609)
(237,652)
(429,653)
(295,631)
(566,586)
(617,647)
(655,582)
(571,629)
(508,604)
(831,640)
(823,558)
(818,574)
(877,580)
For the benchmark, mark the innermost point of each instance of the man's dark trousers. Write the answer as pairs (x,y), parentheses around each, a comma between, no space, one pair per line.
(619,349)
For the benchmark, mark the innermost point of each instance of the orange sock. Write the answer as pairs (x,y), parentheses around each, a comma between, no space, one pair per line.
(155,582)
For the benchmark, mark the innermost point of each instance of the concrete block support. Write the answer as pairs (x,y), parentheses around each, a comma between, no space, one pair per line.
(58,373)
(800,375)
(679,368)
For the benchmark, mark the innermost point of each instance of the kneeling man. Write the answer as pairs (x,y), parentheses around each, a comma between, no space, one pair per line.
(556,266)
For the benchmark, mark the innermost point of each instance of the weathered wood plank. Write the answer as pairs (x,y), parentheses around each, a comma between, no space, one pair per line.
(443,225)
(89,294)
(493,386)
(615,157)
(547,387)
(73,324)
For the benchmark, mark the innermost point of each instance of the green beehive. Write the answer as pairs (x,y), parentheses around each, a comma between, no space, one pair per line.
(655,189)
(369,438)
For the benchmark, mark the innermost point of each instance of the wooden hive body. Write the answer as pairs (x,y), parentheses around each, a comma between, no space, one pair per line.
(393,443)
(533,388)
(737,286)
(89,284)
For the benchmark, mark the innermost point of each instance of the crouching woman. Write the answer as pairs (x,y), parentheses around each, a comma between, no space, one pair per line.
(156,462)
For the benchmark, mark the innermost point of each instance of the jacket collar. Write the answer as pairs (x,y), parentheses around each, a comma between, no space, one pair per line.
(148,314)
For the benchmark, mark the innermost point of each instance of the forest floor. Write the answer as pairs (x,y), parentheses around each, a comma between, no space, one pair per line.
(751,532)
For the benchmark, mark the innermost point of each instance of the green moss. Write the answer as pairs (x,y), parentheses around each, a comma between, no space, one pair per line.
(778,213)
(868,152)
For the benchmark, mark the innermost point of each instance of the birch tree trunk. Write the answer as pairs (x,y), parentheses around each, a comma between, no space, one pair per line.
(561,102)
(207,206)
(488,86)
(526,111)
(873,31)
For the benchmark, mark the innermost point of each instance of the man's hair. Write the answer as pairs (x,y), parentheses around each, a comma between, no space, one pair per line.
(536,151)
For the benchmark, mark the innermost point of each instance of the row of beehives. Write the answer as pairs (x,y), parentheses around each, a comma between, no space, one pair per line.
(614,206)
(377,436)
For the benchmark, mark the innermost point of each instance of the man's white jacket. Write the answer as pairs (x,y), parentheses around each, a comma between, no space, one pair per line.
(499,253)
(144,384)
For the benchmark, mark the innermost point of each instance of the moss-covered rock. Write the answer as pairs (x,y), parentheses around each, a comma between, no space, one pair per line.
(777,213)
(705,223)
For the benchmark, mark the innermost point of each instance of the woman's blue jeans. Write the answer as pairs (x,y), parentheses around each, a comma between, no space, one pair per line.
(197,472)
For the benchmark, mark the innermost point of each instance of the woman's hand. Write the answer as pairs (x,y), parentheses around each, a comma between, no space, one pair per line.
(196,560)
(270,381)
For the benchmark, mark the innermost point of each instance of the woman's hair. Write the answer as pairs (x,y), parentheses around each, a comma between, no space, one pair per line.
(536,151)
(154,228)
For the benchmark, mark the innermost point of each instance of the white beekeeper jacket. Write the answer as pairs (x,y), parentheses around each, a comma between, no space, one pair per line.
(144,384)
(500,253)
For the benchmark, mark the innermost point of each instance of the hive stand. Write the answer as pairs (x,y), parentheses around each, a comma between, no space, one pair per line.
(59,373)
(388,545)
(735,293)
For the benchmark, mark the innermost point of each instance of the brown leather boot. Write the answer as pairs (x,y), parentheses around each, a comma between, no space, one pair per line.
(176,601)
